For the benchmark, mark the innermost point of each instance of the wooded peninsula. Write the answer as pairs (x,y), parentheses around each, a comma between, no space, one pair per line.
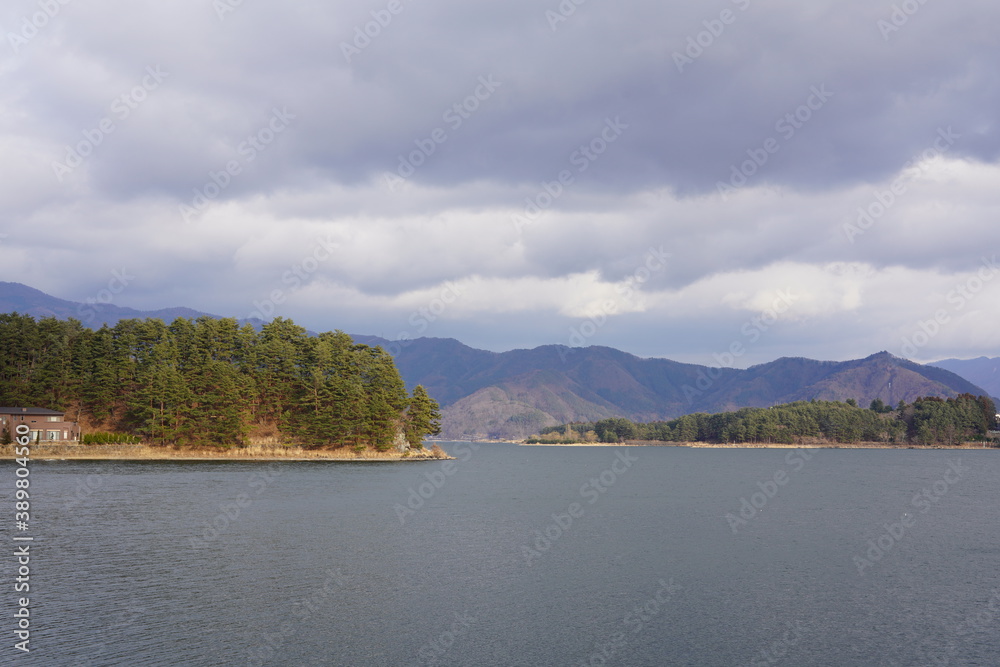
(211,383)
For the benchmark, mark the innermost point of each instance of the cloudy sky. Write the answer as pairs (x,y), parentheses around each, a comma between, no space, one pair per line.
(675,179)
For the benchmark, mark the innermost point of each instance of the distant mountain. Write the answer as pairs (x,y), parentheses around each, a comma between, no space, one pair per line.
(513,394)
(983,371)
(15,297)
(881,375)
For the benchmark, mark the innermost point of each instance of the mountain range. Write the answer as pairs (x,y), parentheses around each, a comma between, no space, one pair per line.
(982,371)
(513,394)
(15,297)
(506,395)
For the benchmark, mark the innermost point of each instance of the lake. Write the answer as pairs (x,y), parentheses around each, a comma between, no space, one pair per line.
(516,556)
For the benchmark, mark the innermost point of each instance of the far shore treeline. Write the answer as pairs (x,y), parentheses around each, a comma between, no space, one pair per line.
(925,422)
(212,382)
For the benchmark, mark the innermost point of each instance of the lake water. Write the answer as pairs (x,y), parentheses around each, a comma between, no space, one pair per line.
(516,556)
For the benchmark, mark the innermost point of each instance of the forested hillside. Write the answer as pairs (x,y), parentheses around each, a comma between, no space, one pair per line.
(212,382)
(514,394)
(927,421)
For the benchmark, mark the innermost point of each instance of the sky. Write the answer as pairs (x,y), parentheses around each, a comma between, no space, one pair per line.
(721,183)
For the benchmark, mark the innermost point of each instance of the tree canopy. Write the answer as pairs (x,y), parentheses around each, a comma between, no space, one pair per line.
(928,421)
(211,381)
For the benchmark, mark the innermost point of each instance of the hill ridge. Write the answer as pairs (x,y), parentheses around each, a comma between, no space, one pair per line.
(506,395)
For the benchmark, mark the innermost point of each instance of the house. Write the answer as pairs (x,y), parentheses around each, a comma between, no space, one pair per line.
(45,425)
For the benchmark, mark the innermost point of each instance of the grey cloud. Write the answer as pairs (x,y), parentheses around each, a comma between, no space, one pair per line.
(687,129)
(559,83)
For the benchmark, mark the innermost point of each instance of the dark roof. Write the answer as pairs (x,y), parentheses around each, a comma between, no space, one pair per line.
(29,411)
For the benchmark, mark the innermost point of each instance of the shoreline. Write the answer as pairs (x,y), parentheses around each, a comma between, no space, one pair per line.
(745,445)
(236,455)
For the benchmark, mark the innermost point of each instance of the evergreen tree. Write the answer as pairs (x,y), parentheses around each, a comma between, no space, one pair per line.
(100,384)
(209,381)
(424,418)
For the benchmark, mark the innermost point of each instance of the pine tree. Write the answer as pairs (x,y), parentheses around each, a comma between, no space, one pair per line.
(279,355)
(423,417)
(18,352)
(101,381)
